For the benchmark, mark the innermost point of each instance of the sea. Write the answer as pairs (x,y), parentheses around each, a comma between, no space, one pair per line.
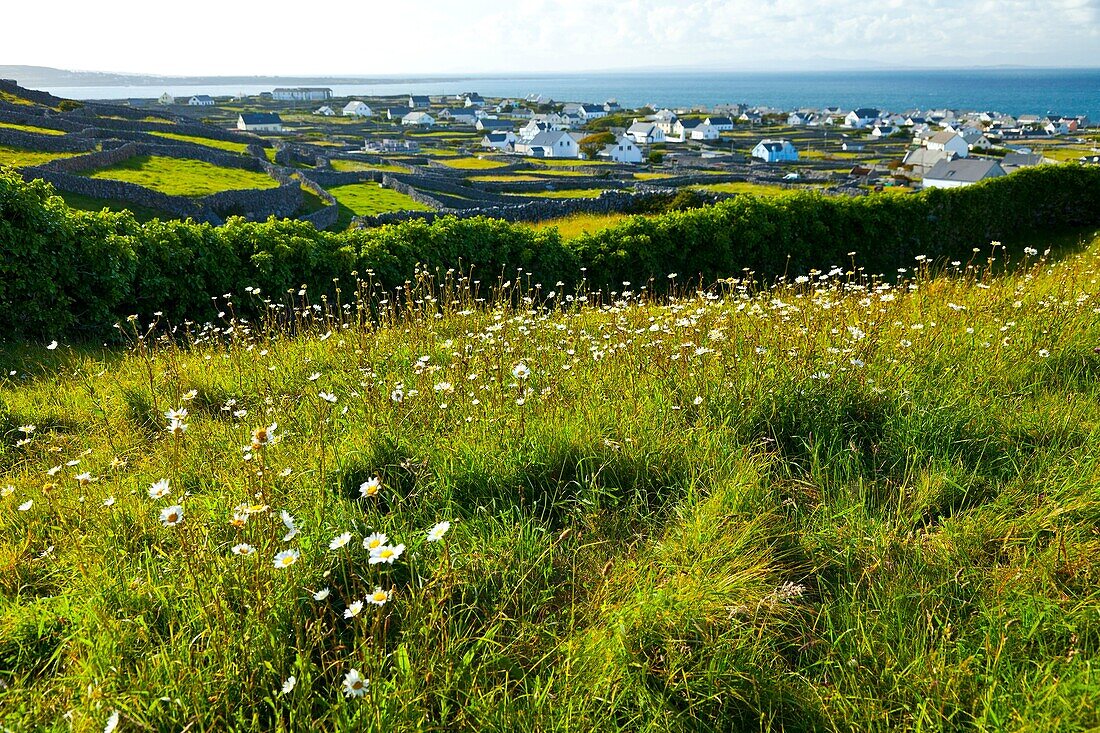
(1012,91)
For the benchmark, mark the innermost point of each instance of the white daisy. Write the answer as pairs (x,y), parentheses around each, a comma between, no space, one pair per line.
(339,541)
(159,490)
(435,534)
(354,685)
(170,516)
(112,723)
(25,506)
(374,541)
(353,609)
(370,487)
(286,558)
(243,549)
(379,596)
(288,685)
(292,528)
(386,554)
(322,594)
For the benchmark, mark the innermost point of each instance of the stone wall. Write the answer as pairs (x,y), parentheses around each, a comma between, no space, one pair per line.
(91,161)
(177,206)
(45,143)
(326,217)
(329,178)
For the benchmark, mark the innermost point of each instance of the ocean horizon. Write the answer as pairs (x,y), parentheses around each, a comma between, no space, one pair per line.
(1012,91)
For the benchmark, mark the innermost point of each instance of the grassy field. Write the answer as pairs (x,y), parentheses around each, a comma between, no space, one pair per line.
(90,203)
(226,145)
(473,163)
(21,158)
(760,189)
(365,199)
(181,177)
(567,193)
(31,128)
(354,165)
(575,224)
(842,504)
(504,178)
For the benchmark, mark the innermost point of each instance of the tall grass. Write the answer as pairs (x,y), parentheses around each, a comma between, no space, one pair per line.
(840,503)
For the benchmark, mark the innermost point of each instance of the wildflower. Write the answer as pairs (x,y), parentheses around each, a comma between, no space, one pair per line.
(697,401)
(386,554)
(179,414)
(52,346)
(520,371)
(370,488)
(327,397)
(379,596)
(159,490)
(177,428)
(112,723)
(288,685)
(285,472)
(170,516)
(322,594)
(353,609)
(354,685)
(286,558)
(240,518)
(243,549)
(27,429)
(397,396)
(1044,353)
(314,377)
(374,541)
(339,541)
(264,436)
(189,395)
(109,501)
(435,534)
(25,506)
(444,387)
(83,478)
(292,528)
(7,491)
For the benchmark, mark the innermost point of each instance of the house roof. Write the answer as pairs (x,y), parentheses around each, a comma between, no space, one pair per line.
(774,145)
(965,170)
(497,136)
(943,136)
(420,100)
(1021,160)
(720,120)
(355,104)
(203,97)
(924,157)
(548,139)
(866,113)
(485,124)
(644,128)
(261,118)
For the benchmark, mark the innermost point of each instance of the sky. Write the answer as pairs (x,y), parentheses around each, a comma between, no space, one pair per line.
(343,38)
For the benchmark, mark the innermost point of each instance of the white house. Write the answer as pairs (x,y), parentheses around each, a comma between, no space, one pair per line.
(419,101)
(851,146)
(259,122)
(722,124)
(550,144)
(976,139)
(166,99)
(922,160)
(646,133)
(664,119)
(704,132)
(355,108)
(201,100)
(499,140)
(325,111)
(775,151)
(950,142)
(879,131)
(418,119)
(622,150)
(461,115)
(961,172)
(862,117)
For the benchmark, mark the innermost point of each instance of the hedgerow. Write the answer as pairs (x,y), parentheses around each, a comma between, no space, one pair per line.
(77,273)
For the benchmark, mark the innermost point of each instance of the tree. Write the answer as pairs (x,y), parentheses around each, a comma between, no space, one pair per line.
(593,144)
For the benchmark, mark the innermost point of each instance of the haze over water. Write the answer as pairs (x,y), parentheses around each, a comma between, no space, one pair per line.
(1014,91)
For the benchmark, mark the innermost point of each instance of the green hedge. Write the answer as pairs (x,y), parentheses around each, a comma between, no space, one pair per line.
(76,273)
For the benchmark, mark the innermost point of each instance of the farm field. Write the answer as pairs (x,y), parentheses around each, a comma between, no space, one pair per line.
(575,224)
(20,158)
(473,163)
(91,203)
(759,189)
(840,503)
(181,177)
(226,145)
(366,199)
(31,128)
(354,165)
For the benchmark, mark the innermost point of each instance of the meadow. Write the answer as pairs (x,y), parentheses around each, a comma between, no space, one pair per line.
(840,501)
(182,177)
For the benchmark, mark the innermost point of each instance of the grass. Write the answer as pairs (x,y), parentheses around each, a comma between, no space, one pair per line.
(759,189)
(226,145)
(354,165)
(91,203)
(367,199)
(1066,153)
(843,504)
(182,177)
(473,163)
(31,128)
(555,162)
(576,224)
(568,193)
(504,178)
(22,158)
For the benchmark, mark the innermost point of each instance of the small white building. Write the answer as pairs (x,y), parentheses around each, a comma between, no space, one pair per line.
(418,119)
(355,108)
(664,119)
(705,132)
(961,172)
(201,100)
(499,140)
(775,151)
(623,150)
(880,131)
(976,139)
(325,111)
(646,133)
(862,117)
(259,122)
(950,142)
(302,94)
(551,144)
(166,99)
(722,124)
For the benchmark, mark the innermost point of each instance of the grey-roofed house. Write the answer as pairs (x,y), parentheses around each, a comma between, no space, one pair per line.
(961,172)
(396,113)
(420,101)
(489,124)
(922,160)
(259,122)
(1015,161)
